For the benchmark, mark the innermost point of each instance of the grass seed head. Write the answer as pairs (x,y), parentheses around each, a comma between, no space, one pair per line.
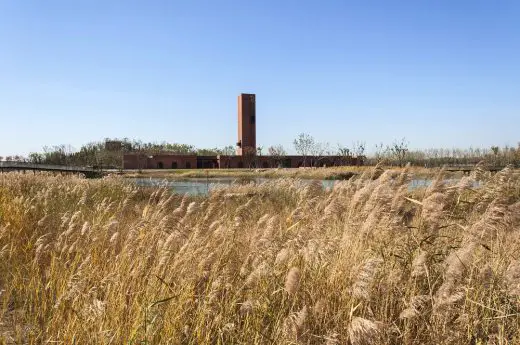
(292,280)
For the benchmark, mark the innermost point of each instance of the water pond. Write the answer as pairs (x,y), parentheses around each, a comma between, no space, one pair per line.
(202,186)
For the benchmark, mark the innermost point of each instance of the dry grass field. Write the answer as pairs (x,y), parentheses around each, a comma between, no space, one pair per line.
(368,262)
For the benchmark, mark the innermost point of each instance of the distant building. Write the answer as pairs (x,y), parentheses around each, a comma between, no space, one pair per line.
(246,151)
(137,160)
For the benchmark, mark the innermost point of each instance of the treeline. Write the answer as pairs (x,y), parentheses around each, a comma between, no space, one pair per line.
(109,153)
(399,154)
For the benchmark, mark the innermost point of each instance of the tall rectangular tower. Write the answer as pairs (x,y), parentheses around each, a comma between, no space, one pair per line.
(246,124)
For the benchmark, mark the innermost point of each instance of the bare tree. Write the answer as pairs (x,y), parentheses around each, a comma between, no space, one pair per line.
(358,148)
(276,150)
(277,153)
(249,155)
(380,152)
(303,145)
(317,152)
(399,150)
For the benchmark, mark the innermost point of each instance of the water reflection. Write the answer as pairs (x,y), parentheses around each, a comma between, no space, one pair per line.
(202,186)
(424,183)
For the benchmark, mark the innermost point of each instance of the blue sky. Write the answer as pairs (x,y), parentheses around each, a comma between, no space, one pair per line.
(440,73)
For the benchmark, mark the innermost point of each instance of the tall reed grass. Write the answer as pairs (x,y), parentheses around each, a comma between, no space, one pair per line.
(285,262)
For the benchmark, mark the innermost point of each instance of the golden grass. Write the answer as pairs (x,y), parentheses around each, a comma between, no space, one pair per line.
(284,262)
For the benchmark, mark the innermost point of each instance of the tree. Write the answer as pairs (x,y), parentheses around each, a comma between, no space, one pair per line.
(358,148)
(380,152)
(345,154)
(225,153)
(277,153)
(248,156)
(180,149)
(228,150)
(399,150)
(317,151)
(303,145)
(36,158)
(344,151)
(495,150)
(516,156)
(208,152)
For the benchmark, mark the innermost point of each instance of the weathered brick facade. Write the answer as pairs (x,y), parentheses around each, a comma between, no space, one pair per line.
(160,161)
(168,161)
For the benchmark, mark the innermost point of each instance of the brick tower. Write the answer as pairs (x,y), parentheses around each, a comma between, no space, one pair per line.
(246,124)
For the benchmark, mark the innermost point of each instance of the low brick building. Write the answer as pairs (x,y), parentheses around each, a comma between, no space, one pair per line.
(159,161)
(237,162)
(171,161)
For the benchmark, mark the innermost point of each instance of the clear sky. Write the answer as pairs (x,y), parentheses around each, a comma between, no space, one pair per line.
(440,73)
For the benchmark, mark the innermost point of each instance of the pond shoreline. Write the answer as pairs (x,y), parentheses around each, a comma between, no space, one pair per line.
(332,173)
